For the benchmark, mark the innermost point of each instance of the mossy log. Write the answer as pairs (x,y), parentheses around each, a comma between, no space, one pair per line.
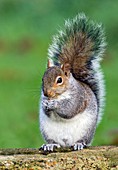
(100,158)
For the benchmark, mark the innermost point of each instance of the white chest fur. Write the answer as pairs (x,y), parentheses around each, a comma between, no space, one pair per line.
(67,132)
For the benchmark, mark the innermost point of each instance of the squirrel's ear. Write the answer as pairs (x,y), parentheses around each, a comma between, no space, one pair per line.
(66,69)
(49,64)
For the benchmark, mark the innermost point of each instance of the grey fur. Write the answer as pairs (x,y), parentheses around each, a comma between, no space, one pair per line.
(68,108)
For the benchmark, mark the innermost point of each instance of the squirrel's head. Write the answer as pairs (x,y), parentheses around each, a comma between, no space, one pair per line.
(55,80)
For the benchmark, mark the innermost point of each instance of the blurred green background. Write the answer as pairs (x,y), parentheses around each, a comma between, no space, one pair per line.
(26,29)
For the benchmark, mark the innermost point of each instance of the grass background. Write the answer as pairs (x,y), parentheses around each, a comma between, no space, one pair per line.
(26,29)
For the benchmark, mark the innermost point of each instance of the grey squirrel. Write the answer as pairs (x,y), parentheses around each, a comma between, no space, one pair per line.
(72,97)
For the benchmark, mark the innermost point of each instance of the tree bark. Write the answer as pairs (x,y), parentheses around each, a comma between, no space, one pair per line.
(103,157)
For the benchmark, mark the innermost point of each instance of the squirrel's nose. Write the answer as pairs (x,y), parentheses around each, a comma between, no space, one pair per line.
(50,93)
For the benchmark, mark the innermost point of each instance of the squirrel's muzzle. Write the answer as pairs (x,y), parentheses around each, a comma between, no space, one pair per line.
(49,93)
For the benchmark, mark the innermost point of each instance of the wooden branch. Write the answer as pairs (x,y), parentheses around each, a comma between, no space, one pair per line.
(104,157)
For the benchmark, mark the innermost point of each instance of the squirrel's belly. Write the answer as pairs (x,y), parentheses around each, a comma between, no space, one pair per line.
(67,132)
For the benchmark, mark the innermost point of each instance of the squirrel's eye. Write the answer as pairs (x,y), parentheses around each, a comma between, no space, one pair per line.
(59,80)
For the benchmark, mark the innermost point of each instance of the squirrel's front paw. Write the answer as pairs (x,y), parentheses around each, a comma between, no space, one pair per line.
(49,104)
(49,147)
(79,146)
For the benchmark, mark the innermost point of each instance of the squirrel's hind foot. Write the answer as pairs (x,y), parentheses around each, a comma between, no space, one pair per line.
(49,147)
(78,146)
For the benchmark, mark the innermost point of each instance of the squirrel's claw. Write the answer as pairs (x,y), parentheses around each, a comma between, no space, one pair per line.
(79,146)
(49,147)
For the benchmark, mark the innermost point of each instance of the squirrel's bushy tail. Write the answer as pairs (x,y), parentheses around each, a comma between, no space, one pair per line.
(81,44)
